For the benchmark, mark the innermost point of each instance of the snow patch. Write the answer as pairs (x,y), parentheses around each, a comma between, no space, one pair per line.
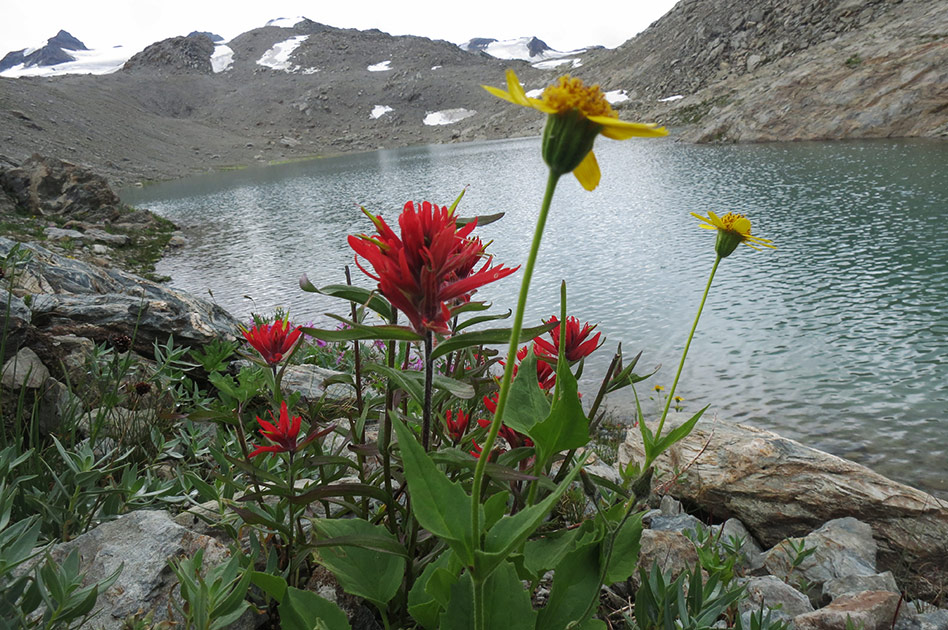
(380,67)
(286,22)
(222,59)
(551,64)
(278,57)
(380,110)
(309,70)
(519,49)
(616,96)
(535,93)
(435,67)
(668,99)
(447,116)
(104,61)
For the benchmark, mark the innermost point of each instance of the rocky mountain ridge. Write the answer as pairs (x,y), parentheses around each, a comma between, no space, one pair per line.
(52,53)
(768,70)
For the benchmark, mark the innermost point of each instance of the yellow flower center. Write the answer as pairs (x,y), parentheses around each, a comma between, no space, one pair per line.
(736,223)
(570,93)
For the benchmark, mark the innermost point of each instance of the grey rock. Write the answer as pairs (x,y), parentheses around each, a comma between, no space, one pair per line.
(670,506)
(672,551)
(934,620)
(844,548)
(869,610)
(309,379)
(20,314)
(849,584)
(780,488)
(117,422)
(56,405)
(733,530)
(119,240)
(684,523)
(60,234)
(768,613)
(100,249)
(24,369)
(142,542)
(772,592)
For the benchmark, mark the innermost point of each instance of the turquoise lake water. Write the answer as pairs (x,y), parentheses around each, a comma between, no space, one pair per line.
(838,338)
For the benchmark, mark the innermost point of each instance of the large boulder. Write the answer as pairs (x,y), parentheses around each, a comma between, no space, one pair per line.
(141,542)
(780,488)
(49,186)
(70,297)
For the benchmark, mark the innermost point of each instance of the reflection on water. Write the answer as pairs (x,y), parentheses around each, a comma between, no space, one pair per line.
(838,338)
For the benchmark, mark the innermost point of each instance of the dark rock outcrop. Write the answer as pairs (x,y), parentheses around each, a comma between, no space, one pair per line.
(175,54)
(45,186)
(53,53)
(214,37)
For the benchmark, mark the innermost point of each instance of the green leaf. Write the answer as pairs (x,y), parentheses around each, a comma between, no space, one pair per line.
(367,573)
(361,332)
(567,426)
(482,219)
(575,586)
(358,295)
(678,433)
(481,319)
(625,549)
(527,404)
(452,386)
(542,554)
(441,505)
(305,610)
(507,606)
(272,585)
(432,590)
(486,337)
(401,379)
(511,531)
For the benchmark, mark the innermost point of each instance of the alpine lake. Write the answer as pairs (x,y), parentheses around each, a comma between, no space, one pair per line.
(838,338)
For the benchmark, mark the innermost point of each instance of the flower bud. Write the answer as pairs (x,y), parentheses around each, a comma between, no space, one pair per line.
(567,138)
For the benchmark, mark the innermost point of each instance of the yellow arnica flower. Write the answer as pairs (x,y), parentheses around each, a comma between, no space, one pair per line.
(733,229)
(577,114)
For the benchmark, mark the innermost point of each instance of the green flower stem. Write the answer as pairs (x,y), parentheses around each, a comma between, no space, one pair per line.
(429,376)
(505,389)
(291,487)
(512,350)
(671,394)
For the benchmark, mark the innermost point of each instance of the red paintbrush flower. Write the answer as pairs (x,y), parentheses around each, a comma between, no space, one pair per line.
(272,341)
(284,433)
(457,424)
(431,266)
(577,344)
(513,437)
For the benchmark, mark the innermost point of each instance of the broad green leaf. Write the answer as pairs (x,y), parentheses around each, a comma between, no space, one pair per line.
(432,590)
(441,505)
(305,610)
(625,549)
(359,295)
(542,554)
(486,337)
(508,605)
(511,531)
(272,585)
(373,542)
(575,587)
(567,426)
(527,404)
(367,573)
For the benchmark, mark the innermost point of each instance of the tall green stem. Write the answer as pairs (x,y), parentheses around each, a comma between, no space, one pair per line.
(671,394)
(429,376)
(516,327)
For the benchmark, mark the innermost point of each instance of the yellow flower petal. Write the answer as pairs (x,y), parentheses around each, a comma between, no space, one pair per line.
(588,172)
(621,130)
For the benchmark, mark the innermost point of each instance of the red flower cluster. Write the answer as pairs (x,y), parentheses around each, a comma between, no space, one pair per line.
(457,424)
(272,341)
(431,266)
(282,434)
(577,344)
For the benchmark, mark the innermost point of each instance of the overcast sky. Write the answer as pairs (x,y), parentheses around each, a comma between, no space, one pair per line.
(105,23)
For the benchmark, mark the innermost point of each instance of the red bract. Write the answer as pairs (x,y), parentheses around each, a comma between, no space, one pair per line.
(272,341)
(577,344)
(430,267)
(283,434)
(457,424)
(514,438)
